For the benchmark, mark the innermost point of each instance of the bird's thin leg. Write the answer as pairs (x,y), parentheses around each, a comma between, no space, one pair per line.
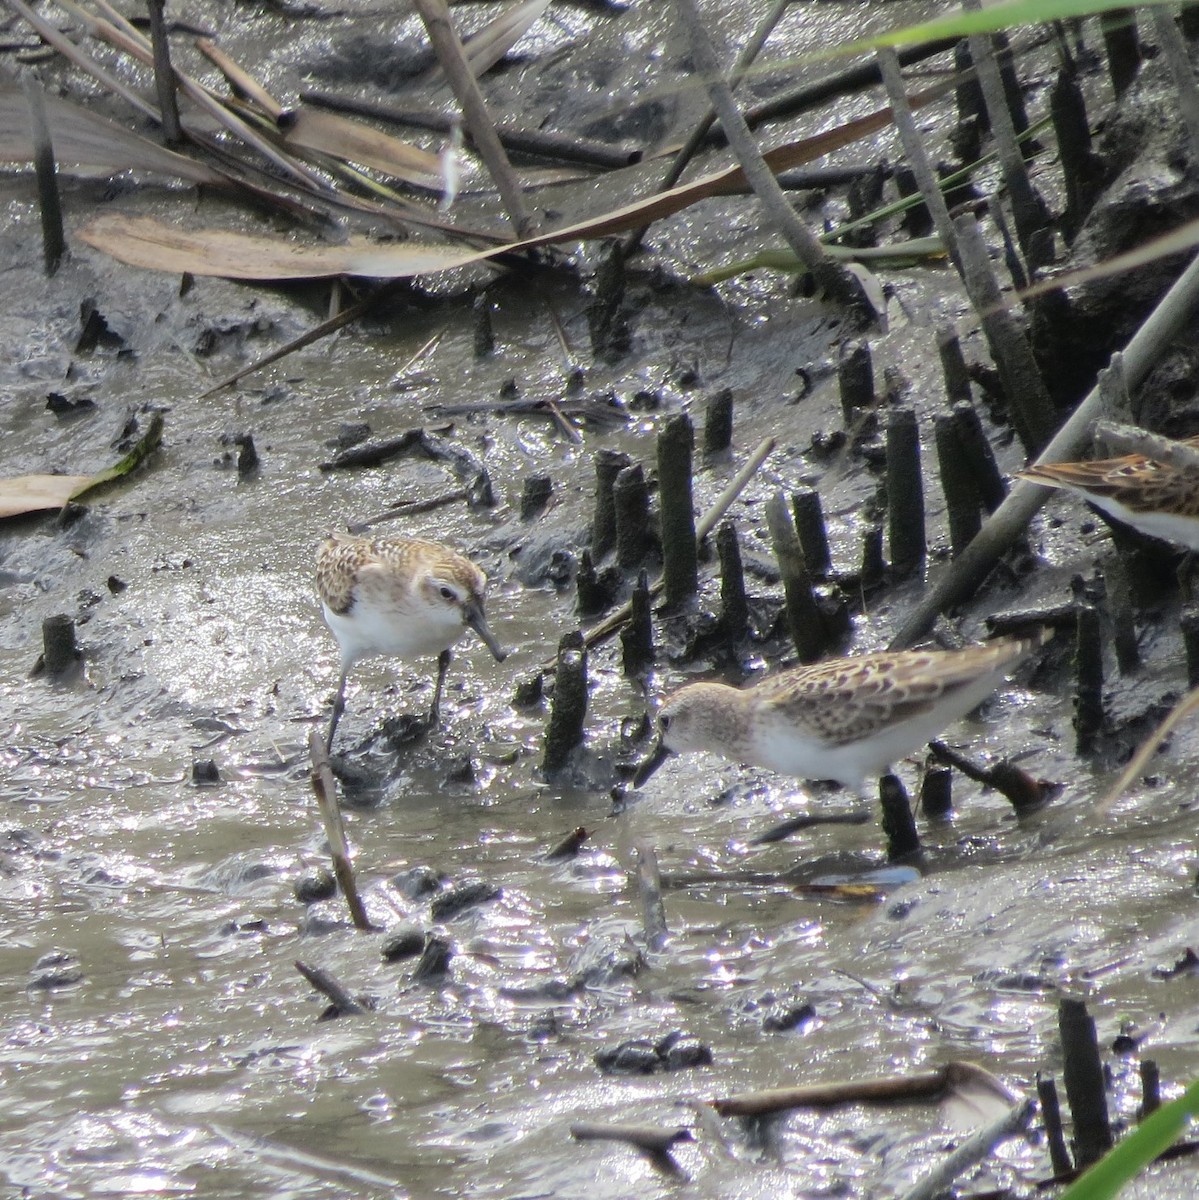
(339,706)
(443,665)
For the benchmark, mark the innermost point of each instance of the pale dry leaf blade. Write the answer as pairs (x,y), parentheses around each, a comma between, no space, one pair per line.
(486,47)
(1166,245)
(145,242)
(37,493)
(498,36)
(328,133)
(86,139)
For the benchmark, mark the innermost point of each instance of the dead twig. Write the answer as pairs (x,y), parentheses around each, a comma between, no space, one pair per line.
(841,284)
(406,508)
(325,788)
(436,18)
(955,1076)
(967,572)
(937,1182)
(649,1138)
(329,987)
(686,153)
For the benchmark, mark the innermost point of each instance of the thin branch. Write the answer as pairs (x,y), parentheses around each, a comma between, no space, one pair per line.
(436,17)
(687,152)
(832,277)
(1008,521)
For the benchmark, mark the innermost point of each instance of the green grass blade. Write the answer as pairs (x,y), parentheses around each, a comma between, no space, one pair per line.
(991,19)
(1154,1135)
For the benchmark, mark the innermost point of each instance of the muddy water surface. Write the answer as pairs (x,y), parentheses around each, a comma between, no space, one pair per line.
(157,1037)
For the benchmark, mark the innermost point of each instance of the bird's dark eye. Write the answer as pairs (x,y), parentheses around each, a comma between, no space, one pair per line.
(448,593)
(664,722)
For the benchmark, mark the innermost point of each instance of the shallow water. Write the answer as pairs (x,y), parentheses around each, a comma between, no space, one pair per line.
(174,1049)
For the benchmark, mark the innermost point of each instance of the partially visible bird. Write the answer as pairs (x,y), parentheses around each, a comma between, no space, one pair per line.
(1156,498)
(846,719)
(398,596)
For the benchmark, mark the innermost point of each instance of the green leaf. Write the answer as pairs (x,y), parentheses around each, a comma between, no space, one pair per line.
(1156,1134)
(991,19)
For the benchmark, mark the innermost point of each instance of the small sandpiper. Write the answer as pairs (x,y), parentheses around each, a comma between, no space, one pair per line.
(846,719)
(398,596)
(1155,498)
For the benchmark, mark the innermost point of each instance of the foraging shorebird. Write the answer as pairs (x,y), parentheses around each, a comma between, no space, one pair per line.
(846,719)
(398,596)
(1160,499)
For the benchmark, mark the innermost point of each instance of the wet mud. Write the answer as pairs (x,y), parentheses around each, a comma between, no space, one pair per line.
(162,863)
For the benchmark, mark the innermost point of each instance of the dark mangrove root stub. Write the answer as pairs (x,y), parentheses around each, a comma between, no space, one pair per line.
(680,558)
(899,825)
(963,504)
(608,464)
(54,241)
(630,500)
(1013,93)
(484,334)
(804,618)
(1151,1094)
(248,461)
(568,708)
(734,607)
(855,374)
(973,440)
(1029,403)
(936,793)
(535,495)
(205,773)
(1088,680)
(606,316)
(905,492)
(1189,623)
(1082,169)
(1123,47)
(591,595)
(874,565)
(434,964)
(59,649)
(813,536)
(953,365)
(718,422)
(164,75)
(1119,607)
(1051,1118)
(637,636)
(968,93)
(1082,1072)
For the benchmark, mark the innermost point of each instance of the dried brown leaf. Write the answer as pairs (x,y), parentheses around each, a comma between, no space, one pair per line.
(145,242)
(486,47)
(36,493)
(328,133)
(84,139)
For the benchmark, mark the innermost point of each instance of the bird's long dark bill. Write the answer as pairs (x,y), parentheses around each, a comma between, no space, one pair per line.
(478,622)
(657,756)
